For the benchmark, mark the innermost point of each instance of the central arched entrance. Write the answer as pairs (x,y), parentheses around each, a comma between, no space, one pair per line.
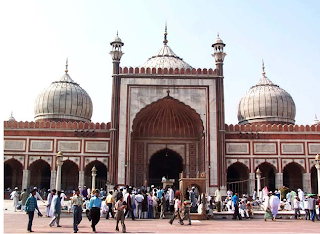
(166,163)
(167,121)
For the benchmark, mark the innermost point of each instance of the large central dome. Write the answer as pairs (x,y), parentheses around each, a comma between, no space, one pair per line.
(166,58)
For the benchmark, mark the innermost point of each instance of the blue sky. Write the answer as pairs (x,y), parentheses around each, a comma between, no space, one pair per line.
(37,36)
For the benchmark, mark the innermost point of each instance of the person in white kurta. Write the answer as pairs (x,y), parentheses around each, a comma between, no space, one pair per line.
(301,198)
(49,201)
(274,204)
(15,197)
(50,206)
(62,196)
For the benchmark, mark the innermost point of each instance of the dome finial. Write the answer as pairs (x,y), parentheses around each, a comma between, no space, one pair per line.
(263,67)
(165,41)
(66,66)
(11,117)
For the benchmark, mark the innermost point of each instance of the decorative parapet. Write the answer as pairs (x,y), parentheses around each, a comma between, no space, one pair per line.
(166,71)
(56,125)
(271,128)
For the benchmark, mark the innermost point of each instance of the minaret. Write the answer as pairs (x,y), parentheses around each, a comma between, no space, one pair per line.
(116,54)
(219,55)
(219,58)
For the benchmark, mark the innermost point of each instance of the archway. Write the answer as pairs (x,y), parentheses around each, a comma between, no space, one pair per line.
(12,174)
(166,163)
(238,178)
(314,180)
(268,175)
(40,174)
(69,176)
(292,176)
(101,178)
(165,121)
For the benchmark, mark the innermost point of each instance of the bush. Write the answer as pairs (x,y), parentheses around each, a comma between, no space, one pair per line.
(284,190)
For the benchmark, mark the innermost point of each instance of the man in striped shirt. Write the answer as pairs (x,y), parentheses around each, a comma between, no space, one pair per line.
(76,203)
(31,205)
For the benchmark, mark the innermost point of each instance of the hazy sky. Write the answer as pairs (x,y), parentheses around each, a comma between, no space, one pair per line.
(37,36)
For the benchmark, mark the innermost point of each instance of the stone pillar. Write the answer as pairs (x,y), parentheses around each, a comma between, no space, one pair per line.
(59,166)
(318,177)
(306,180)
(252,183)
(93,174)
(25,179)
(53,179)
(81,178)
(279,180)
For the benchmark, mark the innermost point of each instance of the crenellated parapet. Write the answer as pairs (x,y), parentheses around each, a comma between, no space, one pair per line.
(56,125)
(168,71)
(271,128)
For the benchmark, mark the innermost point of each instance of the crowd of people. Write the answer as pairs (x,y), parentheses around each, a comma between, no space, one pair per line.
(272,203)
(134,203)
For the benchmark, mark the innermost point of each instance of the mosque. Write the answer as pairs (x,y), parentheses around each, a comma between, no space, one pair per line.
(167,118)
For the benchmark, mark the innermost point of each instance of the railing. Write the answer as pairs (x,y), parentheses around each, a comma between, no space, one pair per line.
(243,186)
(100,183)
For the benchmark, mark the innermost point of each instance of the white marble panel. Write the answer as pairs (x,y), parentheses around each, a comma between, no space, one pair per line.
(14,145)
(97,146)
(292,148)
(237,148)
(39,145)
(265,148)
(69,146)
(314,148)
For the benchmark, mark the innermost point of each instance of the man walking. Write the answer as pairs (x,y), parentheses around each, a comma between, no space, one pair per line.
(110,201)
(186,208)
(235,200)
(15,197)
(31,205)
(119,207)
(76,203)
(94,207)
(296,207)
(56,211)
(49,202)
(24,196)
(177,210)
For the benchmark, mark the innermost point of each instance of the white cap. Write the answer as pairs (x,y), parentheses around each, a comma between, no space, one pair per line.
(35,188)
(16,188)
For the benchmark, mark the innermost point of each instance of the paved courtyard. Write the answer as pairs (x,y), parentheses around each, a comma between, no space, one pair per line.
(16,222)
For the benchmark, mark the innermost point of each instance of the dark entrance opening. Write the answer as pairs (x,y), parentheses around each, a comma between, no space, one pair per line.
(12,174)
(69,176)
(40,174)
(166,163)
(238,178)
(314,180)
(268,175)
(101,178)
(292,176)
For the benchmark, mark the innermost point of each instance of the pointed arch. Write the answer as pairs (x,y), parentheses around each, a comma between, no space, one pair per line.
(13,170)
(167,117)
